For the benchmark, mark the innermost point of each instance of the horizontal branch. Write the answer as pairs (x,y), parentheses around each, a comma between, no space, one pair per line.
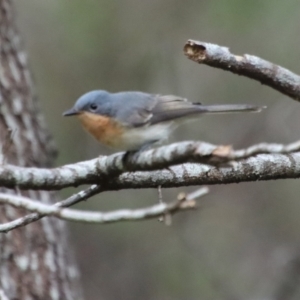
(168,160)
(33,217)
(277,77)
(182,204)
(265,148)
(258,168)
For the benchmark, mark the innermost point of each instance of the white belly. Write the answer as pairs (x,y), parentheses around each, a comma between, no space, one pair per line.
(135,138)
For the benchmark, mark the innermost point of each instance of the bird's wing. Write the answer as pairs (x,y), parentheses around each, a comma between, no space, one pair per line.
(140,109)
(138,117)
(171,107)
(134,109)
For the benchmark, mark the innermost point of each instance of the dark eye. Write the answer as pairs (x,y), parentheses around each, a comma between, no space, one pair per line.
(93,106)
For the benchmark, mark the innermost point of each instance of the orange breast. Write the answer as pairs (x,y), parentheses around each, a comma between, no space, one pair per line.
(102,128)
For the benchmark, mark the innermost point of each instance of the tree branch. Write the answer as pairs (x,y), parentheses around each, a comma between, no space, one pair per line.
(184,202)
(261,167)
(3,296)
(277,77)
(174,165)
(74,199)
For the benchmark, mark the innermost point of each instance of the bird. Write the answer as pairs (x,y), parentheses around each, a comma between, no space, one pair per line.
(134,121)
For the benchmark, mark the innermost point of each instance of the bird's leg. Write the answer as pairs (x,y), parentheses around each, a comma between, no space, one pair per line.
(132,153)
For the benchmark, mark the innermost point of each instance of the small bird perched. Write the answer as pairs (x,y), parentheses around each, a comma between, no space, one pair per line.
(135,120)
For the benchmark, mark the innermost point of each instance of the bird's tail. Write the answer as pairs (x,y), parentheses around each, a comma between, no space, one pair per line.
(230,108)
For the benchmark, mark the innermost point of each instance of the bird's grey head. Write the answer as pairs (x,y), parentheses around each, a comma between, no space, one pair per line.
(96,102)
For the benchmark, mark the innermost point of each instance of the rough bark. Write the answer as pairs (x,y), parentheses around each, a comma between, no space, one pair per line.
(253,67)
(178,164)
(35,261)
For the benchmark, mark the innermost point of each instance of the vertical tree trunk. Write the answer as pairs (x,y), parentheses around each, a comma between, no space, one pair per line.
(35,261)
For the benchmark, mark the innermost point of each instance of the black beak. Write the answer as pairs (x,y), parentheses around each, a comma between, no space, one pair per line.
(70,112)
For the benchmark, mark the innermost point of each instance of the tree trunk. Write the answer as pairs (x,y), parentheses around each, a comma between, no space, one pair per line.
(35,261)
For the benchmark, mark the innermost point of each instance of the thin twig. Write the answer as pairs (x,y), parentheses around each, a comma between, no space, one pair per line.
(197,193)
(266,148)
(276,77)
(160,196)
(42,210)
(74,199)
(160,200)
